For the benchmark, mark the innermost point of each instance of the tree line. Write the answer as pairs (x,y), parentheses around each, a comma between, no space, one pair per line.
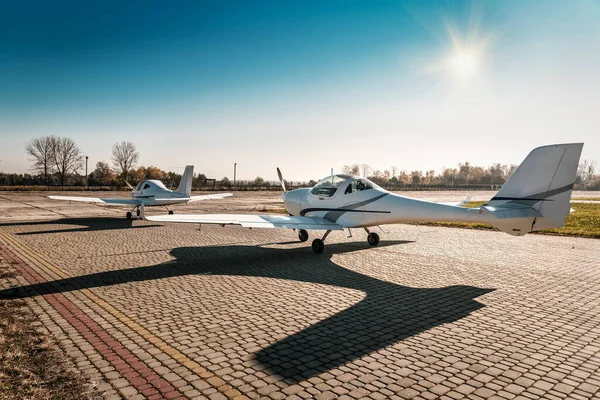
(58,161)
(465,174)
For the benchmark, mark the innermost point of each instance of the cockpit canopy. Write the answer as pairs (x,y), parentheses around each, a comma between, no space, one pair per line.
(143,185)
(327,187)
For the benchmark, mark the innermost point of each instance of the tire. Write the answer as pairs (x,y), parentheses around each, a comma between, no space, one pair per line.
(318,246)
(128,215)
(373,239)
(138,212)
(302,235)
(170,212)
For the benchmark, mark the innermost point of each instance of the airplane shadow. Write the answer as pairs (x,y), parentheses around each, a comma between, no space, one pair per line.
(83,225)
(388,314)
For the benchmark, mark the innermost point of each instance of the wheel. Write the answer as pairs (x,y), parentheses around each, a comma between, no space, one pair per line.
(318,246)
(170,212)
(302,235)
(138,212)
(373,239)
(128,215)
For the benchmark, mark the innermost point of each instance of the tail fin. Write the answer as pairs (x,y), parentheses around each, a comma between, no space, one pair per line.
(540,189)
(185,186)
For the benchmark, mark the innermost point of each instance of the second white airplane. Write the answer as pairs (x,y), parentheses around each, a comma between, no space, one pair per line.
(152,192)
(536,197)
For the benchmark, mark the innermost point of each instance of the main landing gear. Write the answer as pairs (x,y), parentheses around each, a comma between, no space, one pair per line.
(318,245)
(139,212)
(303,235)
(130,213)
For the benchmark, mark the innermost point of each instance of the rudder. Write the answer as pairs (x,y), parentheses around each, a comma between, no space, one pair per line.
(543,182)
(185,186)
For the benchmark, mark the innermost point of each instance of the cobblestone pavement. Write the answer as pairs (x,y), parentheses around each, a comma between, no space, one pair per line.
(171,311)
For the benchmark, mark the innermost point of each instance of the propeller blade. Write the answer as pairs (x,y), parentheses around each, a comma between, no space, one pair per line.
(128,185)
(281,180)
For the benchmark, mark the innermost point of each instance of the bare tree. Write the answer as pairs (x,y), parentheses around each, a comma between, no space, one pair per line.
(353,169)
(124,157)
(67,157)
(366,170)
(586,170)
(41,152)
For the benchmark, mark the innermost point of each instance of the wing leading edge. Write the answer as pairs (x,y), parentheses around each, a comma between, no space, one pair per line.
(251,221)
(96,200)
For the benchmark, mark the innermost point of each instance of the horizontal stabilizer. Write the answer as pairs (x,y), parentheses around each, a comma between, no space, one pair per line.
(215,196)
(457,203)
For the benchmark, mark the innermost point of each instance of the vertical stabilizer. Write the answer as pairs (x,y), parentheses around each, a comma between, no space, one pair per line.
(185,186)
(543,182)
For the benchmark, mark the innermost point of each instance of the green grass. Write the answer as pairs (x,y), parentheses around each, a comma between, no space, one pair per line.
(586,198)
(584,222)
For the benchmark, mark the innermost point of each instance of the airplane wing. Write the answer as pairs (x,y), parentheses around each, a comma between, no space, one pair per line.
(252,221)
(210,196)
(96,200)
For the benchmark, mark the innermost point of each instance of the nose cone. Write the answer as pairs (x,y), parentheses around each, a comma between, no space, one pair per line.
(293,200)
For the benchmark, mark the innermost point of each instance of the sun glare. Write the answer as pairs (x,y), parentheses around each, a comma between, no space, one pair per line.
(466,58)
(464,63)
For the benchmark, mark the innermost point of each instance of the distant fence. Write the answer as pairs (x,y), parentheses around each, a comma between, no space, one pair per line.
(243,187)
(54,188)
(418,188)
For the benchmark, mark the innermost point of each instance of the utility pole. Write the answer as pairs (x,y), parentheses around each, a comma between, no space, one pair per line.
(86,172)
(234,173)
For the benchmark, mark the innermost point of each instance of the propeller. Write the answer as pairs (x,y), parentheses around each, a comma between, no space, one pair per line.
(128,185)
(281,180)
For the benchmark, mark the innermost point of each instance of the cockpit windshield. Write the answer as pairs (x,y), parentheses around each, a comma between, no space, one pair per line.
(328,186)
(139,186)
(359,185)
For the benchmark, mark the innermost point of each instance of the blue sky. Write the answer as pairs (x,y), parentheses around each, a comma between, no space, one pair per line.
(303,85)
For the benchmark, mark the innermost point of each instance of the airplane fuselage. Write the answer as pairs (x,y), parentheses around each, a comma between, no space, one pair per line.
(154,193)
(374,206)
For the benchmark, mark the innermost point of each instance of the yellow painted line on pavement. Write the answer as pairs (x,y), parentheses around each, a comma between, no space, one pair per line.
(208,376)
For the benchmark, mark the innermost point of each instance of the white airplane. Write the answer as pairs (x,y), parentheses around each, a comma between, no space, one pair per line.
(536,197)
(152,192)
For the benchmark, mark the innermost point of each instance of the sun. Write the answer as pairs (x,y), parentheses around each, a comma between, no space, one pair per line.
(467,57)
(465,63)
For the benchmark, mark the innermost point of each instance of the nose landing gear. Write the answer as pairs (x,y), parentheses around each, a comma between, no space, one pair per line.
(372,238)
(318,245)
